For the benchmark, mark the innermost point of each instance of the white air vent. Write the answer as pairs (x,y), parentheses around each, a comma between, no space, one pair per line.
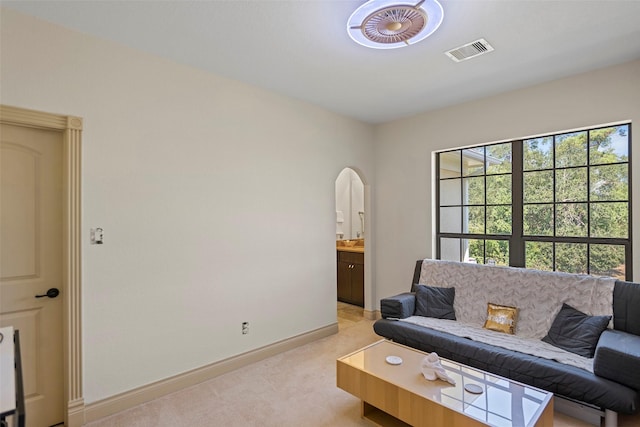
(469,50)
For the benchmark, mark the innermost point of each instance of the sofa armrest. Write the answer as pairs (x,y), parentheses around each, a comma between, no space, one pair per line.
(398,306)
(617,358)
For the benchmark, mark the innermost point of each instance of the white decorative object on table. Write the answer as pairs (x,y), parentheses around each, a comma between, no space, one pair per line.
(394,360)
(432,369)
(473,388)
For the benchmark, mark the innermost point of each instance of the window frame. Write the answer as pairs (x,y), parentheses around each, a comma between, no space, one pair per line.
(517,240)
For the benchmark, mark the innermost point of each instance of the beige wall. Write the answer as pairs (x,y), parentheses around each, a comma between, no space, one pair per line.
(217,202)
(217,198)
(404,151)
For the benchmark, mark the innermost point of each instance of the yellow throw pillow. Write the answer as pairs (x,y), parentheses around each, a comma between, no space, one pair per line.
(501,318)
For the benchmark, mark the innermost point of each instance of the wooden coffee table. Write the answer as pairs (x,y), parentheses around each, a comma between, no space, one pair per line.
(399,395)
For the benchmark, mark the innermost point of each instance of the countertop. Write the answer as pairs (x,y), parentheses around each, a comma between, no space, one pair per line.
(358,249)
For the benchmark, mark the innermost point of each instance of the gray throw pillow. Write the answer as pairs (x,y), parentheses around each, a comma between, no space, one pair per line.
(575,331)
(432,301)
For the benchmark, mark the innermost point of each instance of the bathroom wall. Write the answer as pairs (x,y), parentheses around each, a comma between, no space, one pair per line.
(349,202)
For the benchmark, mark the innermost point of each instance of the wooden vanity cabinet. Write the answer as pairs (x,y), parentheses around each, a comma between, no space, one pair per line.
(351,277)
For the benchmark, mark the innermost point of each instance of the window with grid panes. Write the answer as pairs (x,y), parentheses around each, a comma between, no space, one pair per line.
(558,202)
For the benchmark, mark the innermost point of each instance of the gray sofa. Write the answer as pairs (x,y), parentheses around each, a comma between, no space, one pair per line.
(611,384)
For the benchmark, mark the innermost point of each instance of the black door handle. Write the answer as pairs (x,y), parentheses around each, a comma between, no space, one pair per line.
(51,293)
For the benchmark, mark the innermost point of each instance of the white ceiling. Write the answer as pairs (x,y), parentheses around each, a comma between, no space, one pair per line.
(300,48)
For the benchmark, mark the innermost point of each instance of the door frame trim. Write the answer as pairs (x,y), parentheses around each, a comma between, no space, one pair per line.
(71,128)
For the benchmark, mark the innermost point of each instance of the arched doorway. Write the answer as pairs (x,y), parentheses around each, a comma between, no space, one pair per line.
(349,205)
(353,241)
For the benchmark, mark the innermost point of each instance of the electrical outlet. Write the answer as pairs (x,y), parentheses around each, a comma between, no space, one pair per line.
(245,328)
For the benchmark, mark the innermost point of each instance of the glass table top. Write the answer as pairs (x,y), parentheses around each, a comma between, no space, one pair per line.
(502,402)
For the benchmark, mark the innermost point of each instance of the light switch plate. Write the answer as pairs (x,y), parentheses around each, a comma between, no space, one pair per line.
(97,236)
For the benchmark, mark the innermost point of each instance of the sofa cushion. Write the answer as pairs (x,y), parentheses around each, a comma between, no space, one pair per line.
(617,358)
(398,306)
(537,294)
(561,379)
(575,331)
(501,318)
(435,302)
(626,300)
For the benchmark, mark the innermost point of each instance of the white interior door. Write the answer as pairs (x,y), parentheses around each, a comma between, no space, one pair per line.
(31,262)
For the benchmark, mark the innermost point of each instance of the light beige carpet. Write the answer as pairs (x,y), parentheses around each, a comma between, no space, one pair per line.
(296,388)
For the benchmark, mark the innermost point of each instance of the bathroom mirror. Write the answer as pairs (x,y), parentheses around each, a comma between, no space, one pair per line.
(350,215)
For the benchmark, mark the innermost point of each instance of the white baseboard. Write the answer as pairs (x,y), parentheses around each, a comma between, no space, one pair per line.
(75,413)
(139,395)
(371,314)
